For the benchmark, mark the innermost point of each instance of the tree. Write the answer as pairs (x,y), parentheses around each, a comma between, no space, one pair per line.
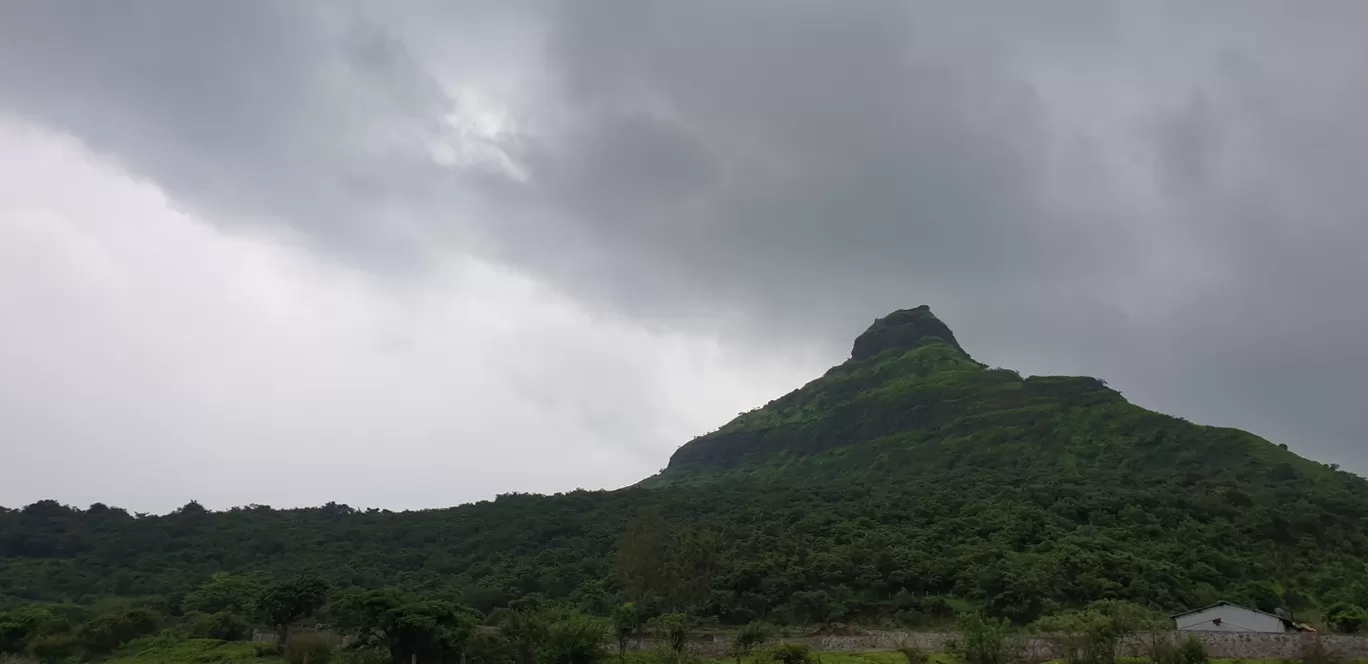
(1345,617)
(674,628)
(104,633)
(281,605)
(817,606)
(20,627)
(224,626)
(694,562)
(431,630)
(644,559)
(573,639)
(984,641)
(626,620)
(224,592)
(750,637)
(792,653)
(525,630)
(1296,601)
(1262,595)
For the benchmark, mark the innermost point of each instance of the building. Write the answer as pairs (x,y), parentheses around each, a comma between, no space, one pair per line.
(1227,617)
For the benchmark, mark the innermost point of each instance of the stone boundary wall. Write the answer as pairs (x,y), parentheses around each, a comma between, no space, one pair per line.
(1219,645)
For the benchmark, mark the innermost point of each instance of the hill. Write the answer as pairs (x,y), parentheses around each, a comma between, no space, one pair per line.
(907,483)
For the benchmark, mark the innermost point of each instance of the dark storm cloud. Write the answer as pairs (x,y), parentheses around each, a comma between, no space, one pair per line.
(286,112)
(825,155)
(1165,194)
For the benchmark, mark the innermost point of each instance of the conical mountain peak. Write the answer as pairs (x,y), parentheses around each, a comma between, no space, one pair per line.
(903,329)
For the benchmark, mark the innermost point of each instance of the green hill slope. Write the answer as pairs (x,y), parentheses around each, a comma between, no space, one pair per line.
(910,399)
(905,481)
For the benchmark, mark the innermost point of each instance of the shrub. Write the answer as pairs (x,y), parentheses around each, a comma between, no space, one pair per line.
(1163,651)
(103,634)
(484,648)
(1345,617)
(53,648)
(1193,651)
(574,640)
(749,638)
(308,649)
(791,653)
(674,628)
(626,624)
(912,653)
(984,641)
(223,626)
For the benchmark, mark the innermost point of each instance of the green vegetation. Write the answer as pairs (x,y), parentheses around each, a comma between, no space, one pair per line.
(910,485)
(190,651)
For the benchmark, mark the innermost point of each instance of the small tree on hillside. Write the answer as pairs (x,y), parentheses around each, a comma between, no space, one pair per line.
(573,639)
(283,604)
(674,628)
(404,627)
(626,621)
(985,641)
(749,638)
(792,653)
(1345,617)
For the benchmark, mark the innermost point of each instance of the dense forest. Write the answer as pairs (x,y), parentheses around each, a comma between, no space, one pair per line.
(905,486)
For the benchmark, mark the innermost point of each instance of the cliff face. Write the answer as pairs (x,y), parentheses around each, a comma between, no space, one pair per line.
(904,330)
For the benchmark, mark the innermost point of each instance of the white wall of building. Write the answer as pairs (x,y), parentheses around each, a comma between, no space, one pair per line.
(1232,619)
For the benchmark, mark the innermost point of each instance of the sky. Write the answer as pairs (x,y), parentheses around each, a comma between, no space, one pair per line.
(410,254)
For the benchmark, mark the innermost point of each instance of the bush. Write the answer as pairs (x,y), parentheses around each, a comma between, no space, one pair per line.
(574,640)
(791,653)
(984,641)
(626,620)
(223,626)
(1163,651)
(308,649)
(674,629)
(483,648)
(53,648)
(1345,617)
(913,654)
(749,638)
(1193,651)
(105,633)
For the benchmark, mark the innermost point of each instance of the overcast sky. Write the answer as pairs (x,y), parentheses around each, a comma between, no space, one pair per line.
(416,253)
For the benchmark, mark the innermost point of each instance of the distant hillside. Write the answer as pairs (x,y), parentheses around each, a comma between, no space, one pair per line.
(911,399)
(906,483)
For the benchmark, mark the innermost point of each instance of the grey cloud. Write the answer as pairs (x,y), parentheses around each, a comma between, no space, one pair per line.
(1165,194)
(298,113)
(836,158)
